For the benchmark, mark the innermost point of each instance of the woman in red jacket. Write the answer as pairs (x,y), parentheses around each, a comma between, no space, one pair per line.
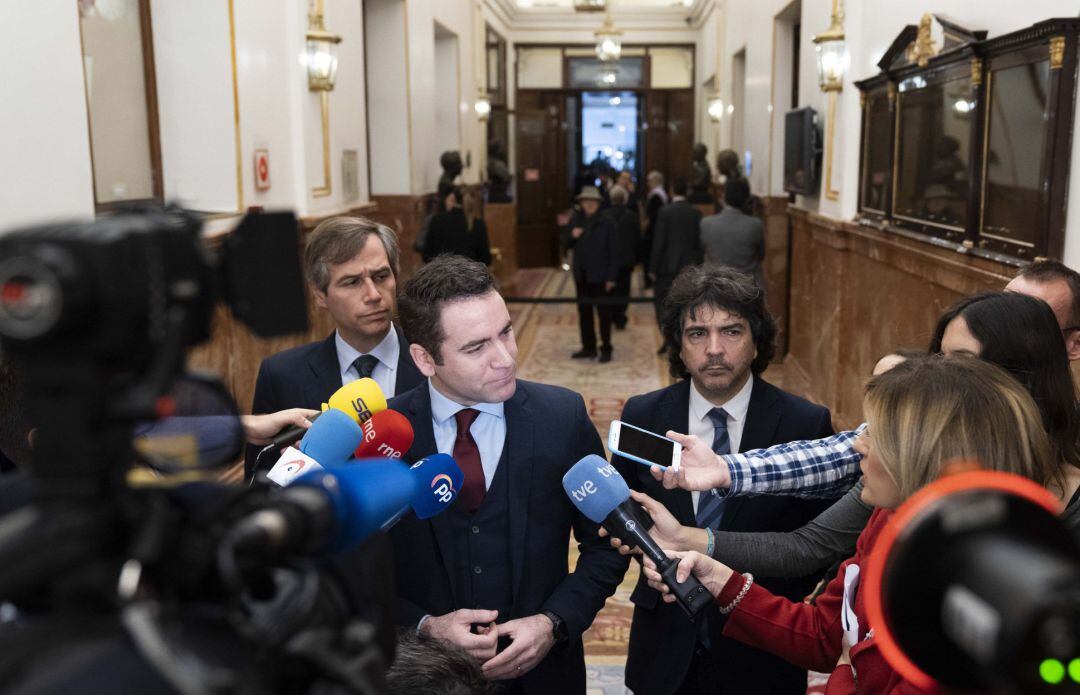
(922,414)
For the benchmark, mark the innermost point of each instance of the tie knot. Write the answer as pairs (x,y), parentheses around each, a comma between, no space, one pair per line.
(465,418)
(365,365)
(719,418)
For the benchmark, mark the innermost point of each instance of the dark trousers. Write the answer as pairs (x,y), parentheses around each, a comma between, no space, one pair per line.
(622,289)
(585,315)
(703,677)
(660,291)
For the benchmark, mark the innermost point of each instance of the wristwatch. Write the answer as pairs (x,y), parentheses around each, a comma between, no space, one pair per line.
(558,628)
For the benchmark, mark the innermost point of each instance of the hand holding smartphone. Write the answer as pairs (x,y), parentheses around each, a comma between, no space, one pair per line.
(645,447)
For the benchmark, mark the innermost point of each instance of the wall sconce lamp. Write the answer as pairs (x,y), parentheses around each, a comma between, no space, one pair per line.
(482,106)
(714,106)
(322,62)
(832,60)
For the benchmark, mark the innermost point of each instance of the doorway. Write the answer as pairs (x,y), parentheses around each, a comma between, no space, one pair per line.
(610,134)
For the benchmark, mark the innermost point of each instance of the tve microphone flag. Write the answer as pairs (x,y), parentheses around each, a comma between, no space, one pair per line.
(601,494)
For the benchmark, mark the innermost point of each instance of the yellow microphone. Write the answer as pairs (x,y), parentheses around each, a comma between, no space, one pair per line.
(359,399)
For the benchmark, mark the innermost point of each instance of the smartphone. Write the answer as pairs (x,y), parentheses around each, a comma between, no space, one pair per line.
(643,446)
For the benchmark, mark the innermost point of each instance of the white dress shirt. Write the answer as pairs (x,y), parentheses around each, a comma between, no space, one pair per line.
(385,373)
(488,429)
(701,425)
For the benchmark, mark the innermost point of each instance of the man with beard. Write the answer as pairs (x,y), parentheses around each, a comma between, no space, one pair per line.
(720,340)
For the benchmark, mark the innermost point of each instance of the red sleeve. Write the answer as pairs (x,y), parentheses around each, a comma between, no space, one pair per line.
(803,634)
(841,682)
(806,635)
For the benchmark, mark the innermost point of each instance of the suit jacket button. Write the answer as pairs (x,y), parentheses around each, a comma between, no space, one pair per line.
(477,569)
(476,529)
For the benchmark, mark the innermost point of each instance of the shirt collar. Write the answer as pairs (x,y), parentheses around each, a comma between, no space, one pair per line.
(387,351)
(443,408)
(735,407)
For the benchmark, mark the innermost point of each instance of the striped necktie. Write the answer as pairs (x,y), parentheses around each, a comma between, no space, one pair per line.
(710,505)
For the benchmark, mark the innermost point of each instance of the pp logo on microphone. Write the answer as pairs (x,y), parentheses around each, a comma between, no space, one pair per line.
(443,488)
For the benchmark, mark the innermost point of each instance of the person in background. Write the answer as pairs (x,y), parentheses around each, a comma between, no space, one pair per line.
(627,240)
(626,182)
(592,236)
(1059,286)
(426,665)
(675,245)
(458,229)
(733,238)
(656,198)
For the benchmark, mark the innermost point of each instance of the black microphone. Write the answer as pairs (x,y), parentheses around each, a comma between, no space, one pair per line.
(601,494)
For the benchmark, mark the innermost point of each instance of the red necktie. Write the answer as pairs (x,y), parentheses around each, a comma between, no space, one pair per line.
(467,456)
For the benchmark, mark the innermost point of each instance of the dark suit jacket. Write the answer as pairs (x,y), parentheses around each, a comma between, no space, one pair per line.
(627,234)
(676,243)
(735,239)
(449,233)
(595,257)
(662,640)
(305,376)
(547,432)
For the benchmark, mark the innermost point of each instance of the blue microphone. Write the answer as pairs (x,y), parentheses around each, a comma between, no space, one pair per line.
(439,481)
(601,494)
(332,438)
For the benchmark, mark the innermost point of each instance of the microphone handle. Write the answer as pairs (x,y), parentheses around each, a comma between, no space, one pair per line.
(691,595)
(290,435)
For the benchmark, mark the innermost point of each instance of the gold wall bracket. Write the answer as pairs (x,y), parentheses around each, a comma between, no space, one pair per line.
(830,132)
(324,190)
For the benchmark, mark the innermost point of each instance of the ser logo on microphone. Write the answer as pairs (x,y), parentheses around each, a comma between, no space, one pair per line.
(363,412)
(443,488)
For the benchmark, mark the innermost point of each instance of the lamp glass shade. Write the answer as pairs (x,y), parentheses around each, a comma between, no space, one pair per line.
(831,63)
(482,107)
(608,46)
(715,108)
(322,62)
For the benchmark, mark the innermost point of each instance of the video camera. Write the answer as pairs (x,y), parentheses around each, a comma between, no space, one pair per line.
(97,317)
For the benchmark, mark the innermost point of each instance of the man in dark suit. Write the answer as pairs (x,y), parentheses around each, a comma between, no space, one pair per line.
(351,265)
(675,244)
(720,339)
(732,237)
(656,198)
(627,240)
(592,235)
(490,574)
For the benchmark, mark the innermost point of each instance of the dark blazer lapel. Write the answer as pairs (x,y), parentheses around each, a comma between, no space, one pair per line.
(519,457)
(407,373)
(759,431)
(419,414)
(326,371)
(675,415)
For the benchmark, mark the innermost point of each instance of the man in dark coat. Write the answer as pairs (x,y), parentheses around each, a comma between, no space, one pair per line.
(676,243)
(596,269)
(720,339)
(627,240)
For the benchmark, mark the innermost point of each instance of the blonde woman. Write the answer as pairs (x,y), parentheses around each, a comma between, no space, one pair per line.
(922,414)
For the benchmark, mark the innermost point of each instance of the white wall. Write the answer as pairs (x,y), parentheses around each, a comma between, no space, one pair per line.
(388,97)
(195,101)
(44,138)
(446,101)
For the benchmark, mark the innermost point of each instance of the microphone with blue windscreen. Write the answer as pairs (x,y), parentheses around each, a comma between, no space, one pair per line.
(332,438)
(601,494)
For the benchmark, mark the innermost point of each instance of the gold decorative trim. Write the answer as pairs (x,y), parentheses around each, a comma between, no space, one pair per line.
(1057,52)
(922,49)
(830,130)
(988,96)
(976,72)
(890,91)
(324,190)
(236,111)
(862,98)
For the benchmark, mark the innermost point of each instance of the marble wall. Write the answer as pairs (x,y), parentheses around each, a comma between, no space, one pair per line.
(857,293)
